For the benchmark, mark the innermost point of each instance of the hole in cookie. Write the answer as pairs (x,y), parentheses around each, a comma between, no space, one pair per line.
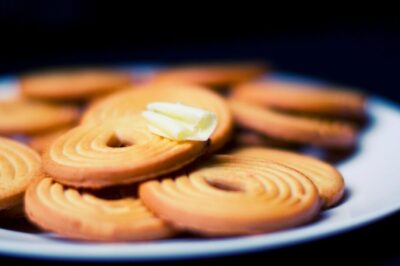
(225,186)
(114,192)
(115,142)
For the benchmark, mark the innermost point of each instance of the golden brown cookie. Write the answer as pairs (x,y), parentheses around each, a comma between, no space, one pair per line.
(293,128)
(249,138)
(81,215)
(42,141)
(113,152)
(326,178)
(31,117)
(134,101)
(298,97)
(73,84)
(233,195)
(19,165)
(211,75)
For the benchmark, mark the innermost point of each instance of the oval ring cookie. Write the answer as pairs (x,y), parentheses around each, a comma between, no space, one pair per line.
(134,101)
(292,128)
(211,75)
(30,117)
(326,178)
(233,195)
(119,151)
(19,165)
(303,98)
(73,84)
(80,215)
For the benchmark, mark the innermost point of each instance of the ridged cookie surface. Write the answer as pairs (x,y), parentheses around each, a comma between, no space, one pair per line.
(114,152)
(233,195)
(134,101)
(19,165)
(81,215)
(326,178)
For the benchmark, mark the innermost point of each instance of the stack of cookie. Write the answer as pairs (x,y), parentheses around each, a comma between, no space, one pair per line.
(45,106)
(49,103)
(110,179)
(293,113)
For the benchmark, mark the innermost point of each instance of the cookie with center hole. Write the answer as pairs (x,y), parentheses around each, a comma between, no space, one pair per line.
(19,165)
(134,101)
(233,195)
(82,215)
(115,152)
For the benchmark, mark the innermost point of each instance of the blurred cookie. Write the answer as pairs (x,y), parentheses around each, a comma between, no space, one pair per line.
(233,195)
(298,97)
(19,165)
(134,101)
(81,215)
(292,128)
(327,179)
(73,84)
(217,75)
(114,152)
(31,117)
(245,138)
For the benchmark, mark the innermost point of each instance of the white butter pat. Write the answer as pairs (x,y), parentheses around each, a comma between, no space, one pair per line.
(180,122)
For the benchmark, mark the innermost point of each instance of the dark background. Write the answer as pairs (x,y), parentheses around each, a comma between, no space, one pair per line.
(353,48)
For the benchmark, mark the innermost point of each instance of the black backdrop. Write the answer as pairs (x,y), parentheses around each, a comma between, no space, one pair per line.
(351,48)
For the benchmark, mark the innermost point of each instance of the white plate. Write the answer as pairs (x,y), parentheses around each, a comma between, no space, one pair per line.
(373,188)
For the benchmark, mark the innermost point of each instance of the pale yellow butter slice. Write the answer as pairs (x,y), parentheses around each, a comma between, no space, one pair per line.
(180,122)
